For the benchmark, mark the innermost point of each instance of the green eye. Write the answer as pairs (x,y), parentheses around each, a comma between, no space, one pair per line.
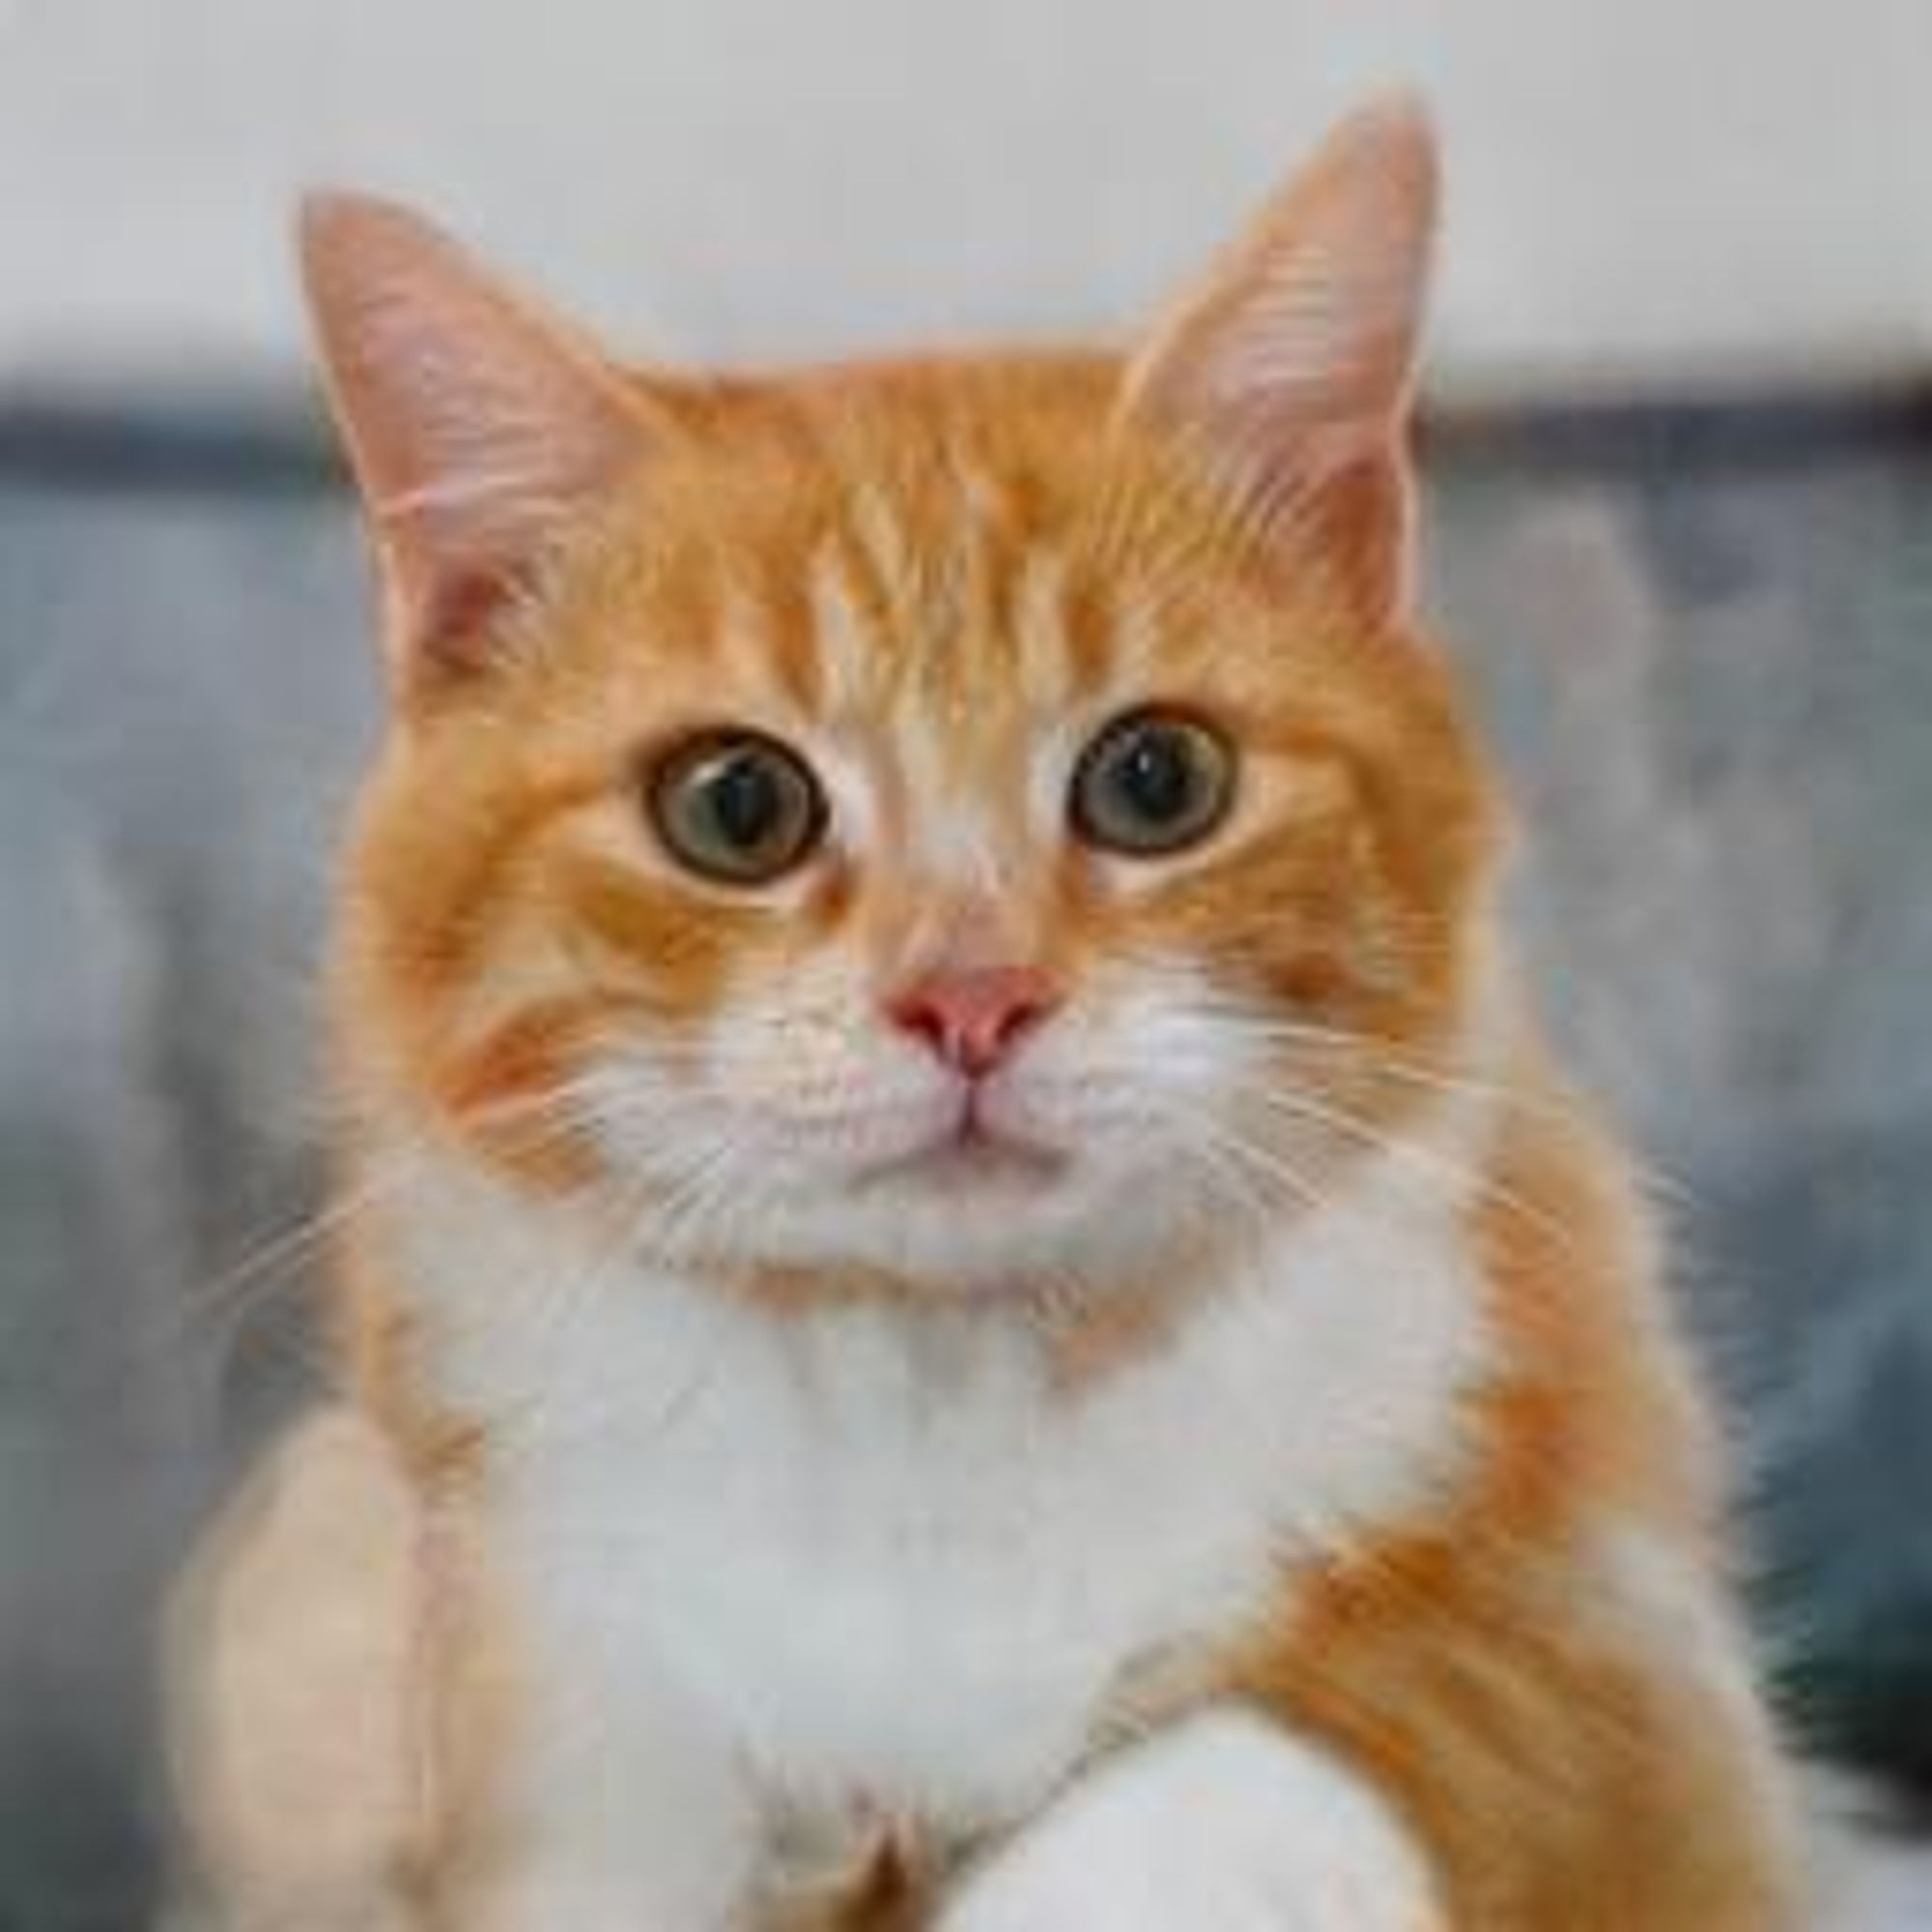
(1153,783)
(737,806)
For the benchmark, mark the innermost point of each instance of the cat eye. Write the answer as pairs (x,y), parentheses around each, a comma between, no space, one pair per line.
(737,806)
(1153,783)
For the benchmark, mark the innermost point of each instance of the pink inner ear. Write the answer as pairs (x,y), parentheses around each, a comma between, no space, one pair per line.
(452,620)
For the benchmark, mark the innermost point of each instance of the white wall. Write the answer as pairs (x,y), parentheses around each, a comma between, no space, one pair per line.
(1643,191)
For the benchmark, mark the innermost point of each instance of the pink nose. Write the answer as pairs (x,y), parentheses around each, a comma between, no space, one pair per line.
(974,1020)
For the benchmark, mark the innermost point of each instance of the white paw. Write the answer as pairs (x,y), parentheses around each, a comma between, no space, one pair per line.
(1225,1823)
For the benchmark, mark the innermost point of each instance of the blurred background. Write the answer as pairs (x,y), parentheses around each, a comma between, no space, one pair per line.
(1680,444)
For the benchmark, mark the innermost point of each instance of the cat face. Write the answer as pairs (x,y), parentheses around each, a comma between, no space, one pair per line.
(970,823)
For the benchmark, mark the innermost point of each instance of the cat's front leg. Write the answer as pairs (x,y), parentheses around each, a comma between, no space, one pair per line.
(1226,1823)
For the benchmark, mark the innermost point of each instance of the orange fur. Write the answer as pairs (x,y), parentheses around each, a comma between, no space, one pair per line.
(932,563)
(1569,1772)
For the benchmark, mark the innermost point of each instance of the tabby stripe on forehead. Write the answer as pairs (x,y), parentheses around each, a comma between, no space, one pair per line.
(991,553)
(1042,627)
(848,619)
(757,649)
(883,549)
(684,588)
(1088,615)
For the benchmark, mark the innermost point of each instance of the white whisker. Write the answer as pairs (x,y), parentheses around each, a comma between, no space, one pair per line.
(1421,1158)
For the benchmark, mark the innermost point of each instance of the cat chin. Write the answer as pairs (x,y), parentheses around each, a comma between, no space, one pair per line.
(989,1232)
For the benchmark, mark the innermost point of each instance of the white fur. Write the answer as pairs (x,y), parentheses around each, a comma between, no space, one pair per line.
(874,1559)
(1224,1823)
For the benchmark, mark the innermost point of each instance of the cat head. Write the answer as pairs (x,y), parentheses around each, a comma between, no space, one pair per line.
(970,822)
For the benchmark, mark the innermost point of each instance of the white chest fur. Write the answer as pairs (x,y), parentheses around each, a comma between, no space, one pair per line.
(878,1552)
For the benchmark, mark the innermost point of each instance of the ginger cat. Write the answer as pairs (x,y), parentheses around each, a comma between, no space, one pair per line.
(972,1303)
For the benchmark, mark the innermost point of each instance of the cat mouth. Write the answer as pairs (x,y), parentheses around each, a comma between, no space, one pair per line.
(972,1154)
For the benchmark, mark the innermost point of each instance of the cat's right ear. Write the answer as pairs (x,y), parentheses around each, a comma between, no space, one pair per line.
(481,430)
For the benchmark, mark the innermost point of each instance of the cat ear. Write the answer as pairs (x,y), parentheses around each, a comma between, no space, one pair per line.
(477,426)
(1291,369)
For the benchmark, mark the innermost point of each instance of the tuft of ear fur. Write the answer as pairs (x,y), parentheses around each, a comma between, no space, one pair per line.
(1289,371)
(478,427)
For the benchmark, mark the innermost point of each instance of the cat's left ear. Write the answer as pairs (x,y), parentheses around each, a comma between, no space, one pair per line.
(1289,372)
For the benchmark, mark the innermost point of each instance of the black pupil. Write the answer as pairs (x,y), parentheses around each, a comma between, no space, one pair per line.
(747,802)
(1155,776)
